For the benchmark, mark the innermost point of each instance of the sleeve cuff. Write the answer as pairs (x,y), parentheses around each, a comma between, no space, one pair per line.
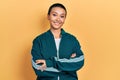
(49,63)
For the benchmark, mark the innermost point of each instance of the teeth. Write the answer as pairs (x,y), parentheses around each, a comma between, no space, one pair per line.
(56,23)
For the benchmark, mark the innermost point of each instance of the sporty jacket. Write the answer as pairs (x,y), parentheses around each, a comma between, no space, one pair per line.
(59,63)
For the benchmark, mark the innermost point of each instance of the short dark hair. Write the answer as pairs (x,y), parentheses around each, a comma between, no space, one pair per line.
(57,5)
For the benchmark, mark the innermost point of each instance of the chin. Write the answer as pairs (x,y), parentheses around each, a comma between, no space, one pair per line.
(56,27)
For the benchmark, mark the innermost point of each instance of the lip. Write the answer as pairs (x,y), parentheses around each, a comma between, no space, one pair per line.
(56,23)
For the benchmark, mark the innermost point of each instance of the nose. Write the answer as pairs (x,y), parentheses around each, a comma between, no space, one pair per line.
(58,19)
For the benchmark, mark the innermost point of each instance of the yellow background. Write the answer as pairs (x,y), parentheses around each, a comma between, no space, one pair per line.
(96,24)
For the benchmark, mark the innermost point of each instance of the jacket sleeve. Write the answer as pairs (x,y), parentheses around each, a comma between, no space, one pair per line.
(72,64)
(35,51)
(36,54)
(56,65)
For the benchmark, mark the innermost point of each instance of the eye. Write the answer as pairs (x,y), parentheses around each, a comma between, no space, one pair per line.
(62,16)
(54,14)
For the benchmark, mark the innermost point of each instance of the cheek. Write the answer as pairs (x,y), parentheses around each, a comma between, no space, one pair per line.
(53,18)
(63,20)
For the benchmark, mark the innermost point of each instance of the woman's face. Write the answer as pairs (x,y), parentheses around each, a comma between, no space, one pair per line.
(57,18)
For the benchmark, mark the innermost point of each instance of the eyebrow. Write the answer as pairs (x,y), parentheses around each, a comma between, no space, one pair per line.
(57,13)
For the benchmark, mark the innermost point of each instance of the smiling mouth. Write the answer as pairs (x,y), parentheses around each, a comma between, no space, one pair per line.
(56,23)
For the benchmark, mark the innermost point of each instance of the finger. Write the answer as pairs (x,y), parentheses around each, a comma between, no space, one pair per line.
(39,61)
(73,55)
(43,66)
(39,68)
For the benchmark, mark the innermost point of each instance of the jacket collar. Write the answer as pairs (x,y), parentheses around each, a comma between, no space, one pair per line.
(62,32)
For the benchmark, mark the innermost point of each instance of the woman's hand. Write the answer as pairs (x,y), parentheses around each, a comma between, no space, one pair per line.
(43,64)
(73,55)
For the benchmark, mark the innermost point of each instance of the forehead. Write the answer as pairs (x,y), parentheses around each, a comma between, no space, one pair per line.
(58,10)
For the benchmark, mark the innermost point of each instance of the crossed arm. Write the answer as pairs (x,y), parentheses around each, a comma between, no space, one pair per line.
(43,62)
(75,62)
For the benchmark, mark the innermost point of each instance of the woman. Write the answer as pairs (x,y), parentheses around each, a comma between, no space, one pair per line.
(56,54)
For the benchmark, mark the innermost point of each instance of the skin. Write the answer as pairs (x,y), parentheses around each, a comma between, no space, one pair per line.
(56,19)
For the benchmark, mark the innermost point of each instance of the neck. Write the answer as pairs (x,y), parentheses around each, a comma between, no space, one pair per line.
(56,33)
